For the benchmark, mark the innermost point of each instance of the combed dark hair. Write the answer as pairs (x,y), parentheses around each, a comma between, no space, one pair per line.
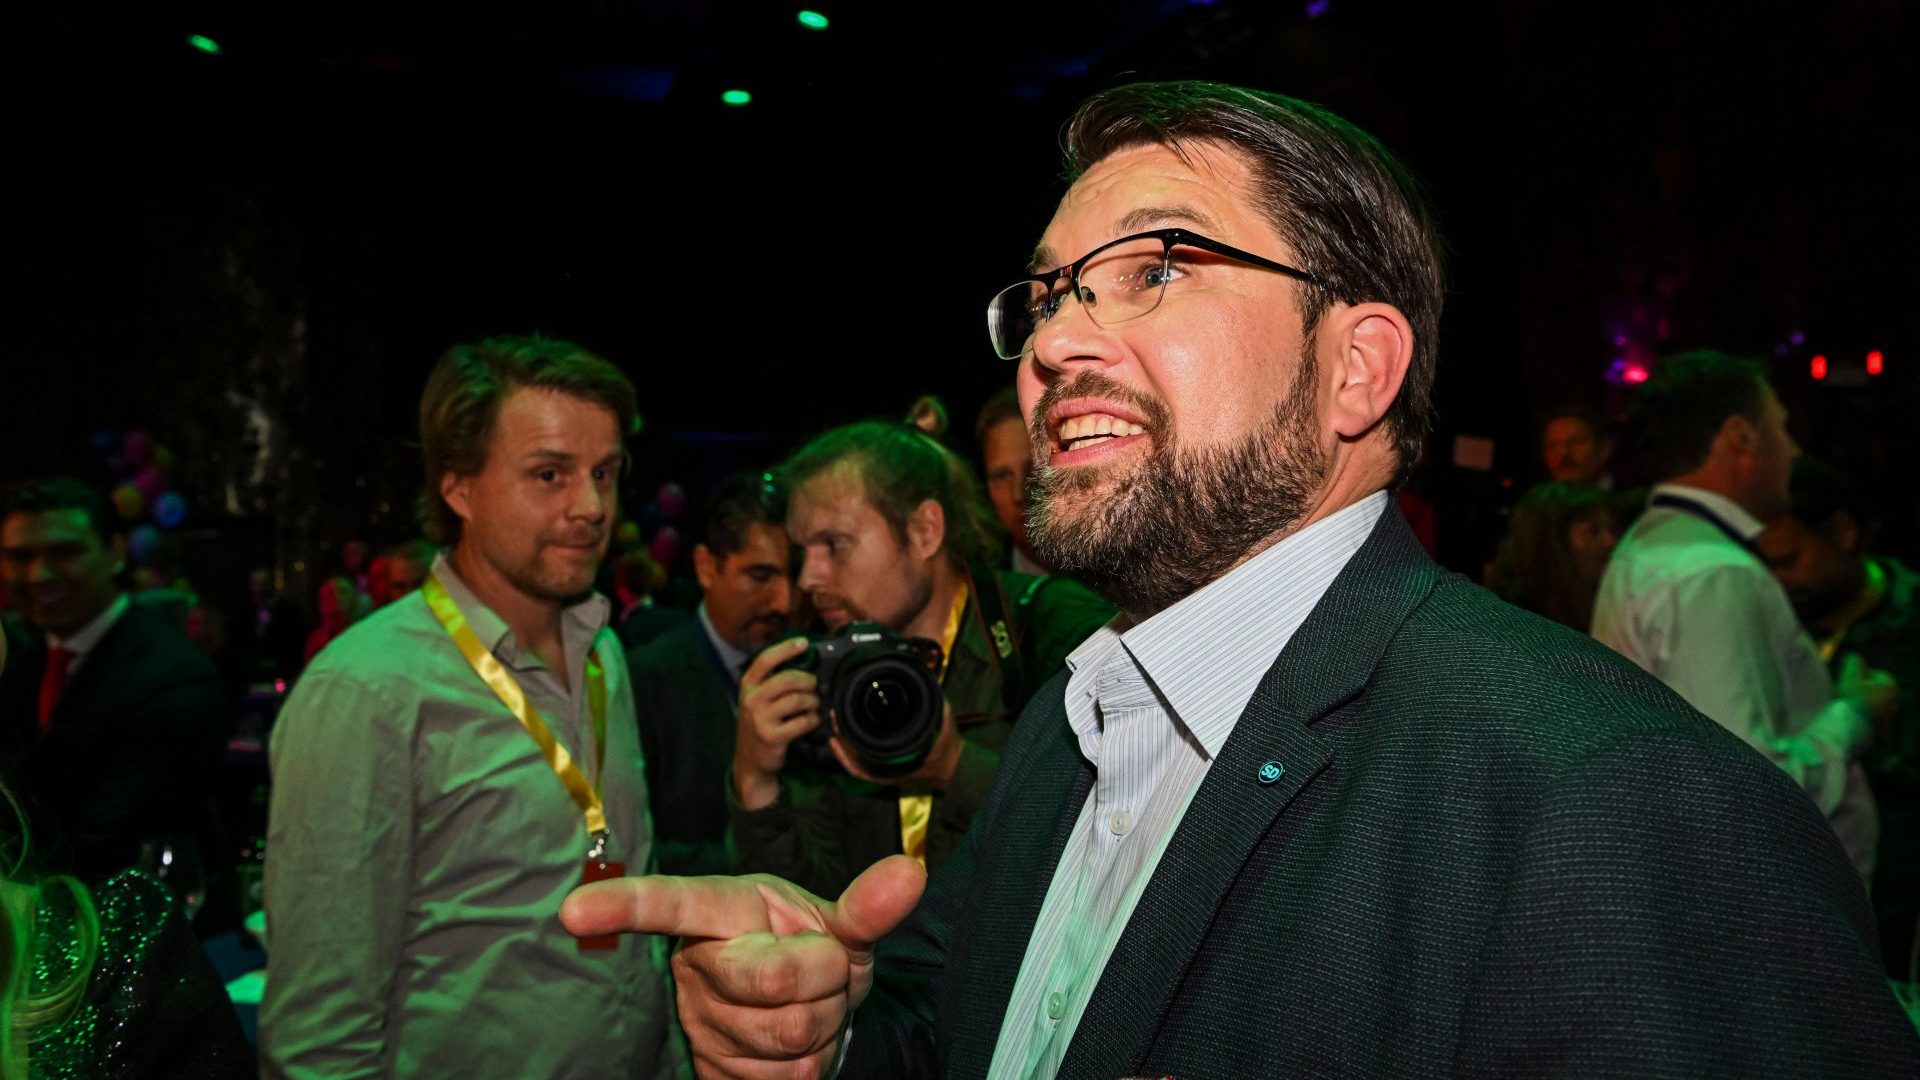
(738,503)
(66,493)
(1534,567)
(462,400)
(1676,413)
(1001,407)
(1356,218)
(1820,491)
(902,467)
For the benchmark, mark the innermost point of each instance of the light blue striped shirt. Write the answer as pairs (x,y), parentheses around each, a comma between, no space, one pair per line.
(1152,705)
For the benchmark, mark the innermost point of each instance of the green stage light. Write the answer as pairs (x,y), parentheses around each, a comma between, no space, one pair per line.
(204,44)
(736,97)
(813,20)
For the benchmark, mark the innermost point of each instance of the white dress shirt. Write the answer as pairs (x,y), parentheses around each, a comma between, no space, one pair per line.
(1152,705)
(1703,614)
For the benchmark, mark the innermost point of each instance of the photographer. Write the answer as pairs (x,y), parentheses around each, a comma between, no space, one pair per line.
(893,531)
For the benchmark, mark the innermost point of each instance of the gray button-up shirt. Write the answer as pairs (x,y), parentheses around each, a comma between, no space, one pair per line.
(418,851)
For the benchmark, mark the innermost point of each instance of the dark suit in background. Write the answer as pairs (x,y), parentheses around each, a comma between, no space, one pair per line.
(685,703)
(1497,849)
(132,752)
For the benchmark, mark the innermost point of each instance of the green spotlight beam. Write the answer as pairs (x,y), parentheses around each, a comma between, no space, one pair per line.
(736,97)
(204,44)
(812,20)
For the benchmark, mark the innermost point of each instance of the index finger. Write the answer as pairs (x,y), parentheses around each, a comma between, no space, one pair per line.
(773,655)
(700,907)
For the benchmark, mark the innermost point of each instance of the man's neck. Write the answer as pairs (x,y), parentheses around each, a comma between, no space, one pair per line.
(931,621)
(535,621)
(1707,478)
(65,638)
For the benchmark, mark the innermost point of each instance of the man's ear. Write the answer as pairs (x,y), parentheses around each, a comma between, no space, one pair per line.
(926,530)
(456,490)
(1737,435)
(705,567)
(1367,348)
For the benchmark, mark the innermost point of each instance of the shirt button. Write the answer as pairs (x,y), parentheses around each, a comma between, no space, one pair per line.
(1056,1005)
(1120,822)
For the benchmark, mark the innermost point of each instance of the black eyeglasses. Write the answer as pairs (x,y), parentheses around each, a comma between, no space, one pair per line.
(1119,280)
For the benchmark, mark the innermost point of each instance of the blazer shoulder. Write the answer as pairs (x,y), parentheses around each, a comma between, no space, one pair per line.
(669,651)
(144,640)
(1465,657)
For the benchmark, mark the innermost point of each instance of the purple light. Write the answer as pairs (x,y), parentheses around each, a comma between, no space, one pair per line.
(1317,8)
(1797,338)
(1619,341)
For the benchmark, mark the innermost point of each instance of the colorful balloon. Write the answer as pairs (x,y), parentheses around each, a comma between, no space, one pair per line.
(672,500)
(170,510)
(142,542)
(138,446)
(151,483)
(128,501)
(665,545)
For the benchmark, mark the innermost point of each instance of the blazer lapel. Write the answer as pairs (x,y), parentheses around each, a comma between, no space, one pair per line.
(1325,665)
(1036,811)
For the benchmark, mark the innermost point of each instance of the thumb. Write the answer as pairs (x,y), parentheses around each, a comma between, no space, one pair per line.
(883,895)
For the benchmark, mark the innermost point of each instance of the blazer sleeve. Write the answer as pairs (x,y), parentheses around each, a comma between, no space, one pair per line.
(1679,910)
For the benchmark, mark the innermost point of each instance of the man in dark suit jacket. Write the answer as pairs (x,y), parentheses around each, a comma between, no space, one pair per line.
(1385,825)
(114,722)
(686,681)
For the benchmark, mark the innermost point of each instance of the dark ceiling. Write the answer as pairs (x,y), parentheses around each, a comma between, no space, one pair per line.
(305,220)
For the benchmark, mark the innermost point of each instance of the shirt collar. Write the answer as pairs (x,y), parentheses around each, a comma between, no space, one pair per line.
(1206,654)
(84,639)
(734,660)
(1736,516)
(587,617)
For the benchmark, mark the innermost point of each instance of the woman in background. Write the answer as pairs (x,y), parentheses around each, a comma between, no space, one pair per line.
(1554,552)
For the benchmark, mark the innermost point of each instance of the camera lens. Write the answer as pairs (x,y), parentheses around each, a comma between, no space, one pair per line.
(887,704)
(887,708)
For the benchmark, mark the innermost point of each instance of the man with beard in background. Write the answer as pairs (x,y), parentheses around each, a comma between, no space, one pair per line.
(686,682)
(1309,805)
(451,766)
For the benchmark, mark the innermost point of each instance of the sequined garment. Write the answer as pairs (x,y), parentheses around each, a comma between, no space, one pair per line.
(154,1007)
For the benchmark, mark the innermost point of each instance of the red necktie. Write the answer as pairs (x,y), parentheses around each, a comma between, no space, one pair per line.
(52,683)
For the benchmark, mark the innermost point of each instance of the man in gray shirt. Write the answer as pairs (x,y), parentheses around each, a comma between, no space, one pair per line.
(448,770)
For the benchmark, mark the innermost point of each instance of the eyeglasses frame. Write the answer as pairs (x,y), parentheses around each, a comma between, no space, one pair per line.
(1169,238)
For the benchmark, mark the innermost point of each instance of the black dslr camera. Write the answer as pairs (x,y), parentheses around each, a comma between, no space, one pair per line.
(880,693)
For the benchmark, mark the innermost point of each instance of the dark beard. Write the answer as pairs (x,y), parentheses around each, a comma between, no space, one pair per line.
(1179,520)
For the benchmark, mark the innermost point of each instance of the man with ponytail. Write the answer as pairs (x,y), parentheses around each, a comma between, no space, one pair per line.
(892,530)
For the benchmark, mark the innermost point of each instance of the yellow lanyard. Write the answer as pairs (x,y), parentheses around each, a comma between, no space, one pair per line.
(916,810)
(586,795)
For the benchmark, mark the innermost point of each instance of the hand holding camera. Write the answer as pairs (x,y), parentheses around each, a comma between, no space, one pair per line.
(777,706)
(881,693)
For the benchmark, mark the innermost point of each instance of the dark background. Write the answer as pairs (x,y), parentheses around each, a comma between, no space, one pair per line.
(255,256)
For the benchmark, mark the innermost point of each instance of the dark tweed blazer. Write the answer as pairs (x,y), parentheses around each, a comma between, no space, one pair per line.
(1498,849)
